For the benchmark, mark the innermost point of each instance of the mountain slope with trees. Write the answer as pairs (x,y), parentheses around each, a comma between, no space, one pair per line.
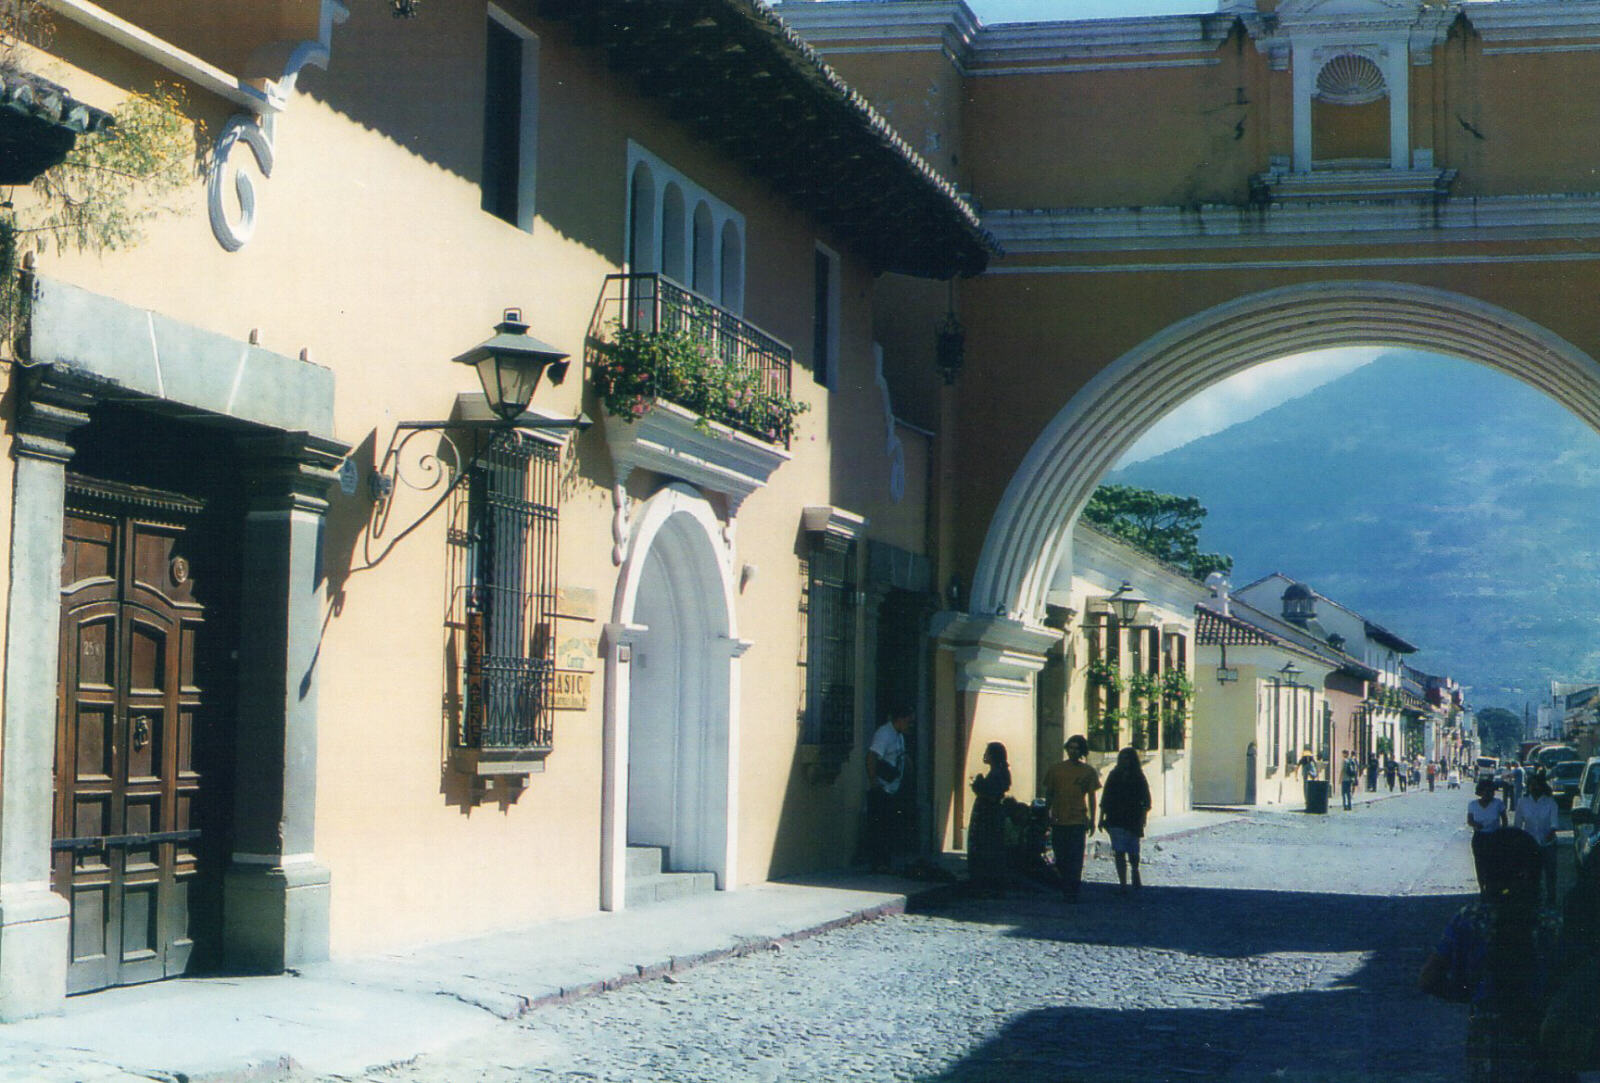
(1450,503)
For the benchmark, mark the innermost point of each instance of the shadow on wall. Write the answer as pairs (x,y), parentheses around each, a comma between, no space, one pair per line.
(1363,1020)
(364,83)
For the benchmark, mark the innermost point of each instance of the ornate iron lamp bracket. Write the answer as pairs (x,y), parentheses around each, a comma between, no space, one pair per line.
(424,469)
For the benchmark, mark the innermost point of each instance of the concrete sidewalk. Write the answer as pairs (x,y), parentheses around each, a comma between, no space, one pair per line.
(362,1012)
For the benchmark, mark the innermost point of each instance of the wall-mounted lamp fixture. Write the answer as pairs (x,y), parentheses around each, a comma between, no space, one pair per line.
(509,364)
(1125,603)
(1225,674)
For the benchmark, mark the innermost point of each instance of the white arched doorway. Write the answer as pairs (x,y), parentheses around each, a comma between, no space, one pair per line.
(671,711)
(1029,539)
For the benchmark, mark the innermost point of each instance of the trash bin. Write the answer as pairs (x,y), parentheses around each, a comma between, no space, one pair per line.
(1317,795)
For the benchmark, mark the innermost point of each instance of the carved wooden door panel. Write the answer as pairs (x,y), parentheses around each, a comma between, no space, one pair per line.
(127,704)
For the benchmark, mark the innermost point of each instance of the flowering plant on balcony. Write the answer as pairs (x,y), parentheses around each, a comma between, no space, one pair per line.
(636,367)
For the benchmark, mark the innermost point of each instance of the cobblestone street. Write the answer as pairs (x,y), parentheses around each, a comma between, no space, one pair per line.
(1282,946)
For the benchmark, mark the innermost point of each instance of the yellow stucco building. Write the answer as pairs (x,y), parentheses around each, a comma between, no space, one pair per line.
(334,659)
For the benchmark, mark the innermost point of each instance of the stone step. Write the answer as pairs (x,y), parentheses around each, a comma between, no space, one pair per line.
(646,861)
(644,890)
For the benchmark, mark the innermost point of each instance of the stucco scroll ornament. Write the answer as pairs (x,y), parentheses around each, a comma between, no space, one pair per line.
(256,133)
(277,66)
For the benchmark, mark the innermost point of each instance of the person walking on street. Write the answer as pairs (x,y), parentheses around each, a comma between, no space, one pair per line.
(986,837)
(1069,787)
(1372,773)
(1388,772)
(1347,781)
(1486,814)
(1430,776)
(1501,955)
(886,763)
(1518,778)
(1539,817)
(1123,809)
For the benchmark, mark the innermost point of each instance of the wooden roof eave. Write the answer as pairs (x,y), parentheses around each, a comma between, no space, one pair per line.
(733,73)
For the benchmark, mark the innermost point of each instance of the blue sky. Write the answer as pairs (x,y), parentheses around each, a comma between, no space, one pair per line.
(1021,11)
(1242,397)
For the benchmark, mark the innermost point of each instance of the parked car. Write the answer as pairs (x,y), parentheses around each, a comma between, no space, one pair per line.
(1486,767)
(1548,755)
(1565,778)
(1586,816)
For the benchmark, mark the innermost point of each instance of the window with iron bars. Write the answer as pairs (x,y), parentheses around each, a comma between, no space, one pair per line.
(830,717)
(502,618)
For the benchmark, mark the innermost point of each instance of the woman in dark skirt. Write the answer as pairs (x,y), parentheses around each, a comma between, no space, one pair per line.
(986,837)
(1123,808)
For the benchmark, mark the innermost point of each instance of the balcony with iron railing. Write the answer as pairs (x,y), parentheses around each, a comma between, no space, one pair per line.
(655,340)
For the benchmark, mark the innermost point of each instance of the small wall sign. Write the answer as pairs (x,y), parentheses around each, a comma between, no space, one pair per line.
(570,691)
(578,603)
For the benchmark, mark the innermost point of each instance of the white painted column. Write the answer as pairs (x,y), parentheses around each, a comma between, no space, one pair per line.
(1305,77)
(1397,75)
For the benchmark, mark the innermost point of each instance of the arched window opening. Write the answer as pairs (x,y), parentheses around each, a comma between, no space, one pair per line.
(642,221)
(674,257)
(705,252)
(732,292)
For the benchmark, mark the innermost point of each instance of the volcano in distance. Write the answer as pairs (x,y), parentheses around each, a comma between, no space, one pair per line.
(1451,504)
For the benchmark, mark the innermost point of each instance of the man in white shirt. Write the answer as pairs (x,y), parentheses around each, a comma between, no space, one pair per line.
(886,764)
(1538,815)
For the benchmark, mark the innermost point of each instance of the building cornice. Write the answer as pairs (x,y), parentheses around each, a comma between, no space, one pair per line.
(1223,226)
(1016,48)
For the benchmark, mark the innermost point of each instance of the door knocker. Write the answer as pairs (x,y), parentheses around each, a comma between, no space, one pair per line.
(141,733)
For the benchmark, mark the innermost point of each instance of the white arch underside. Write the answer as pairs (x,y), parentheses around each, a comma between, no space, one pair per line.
(1033,524)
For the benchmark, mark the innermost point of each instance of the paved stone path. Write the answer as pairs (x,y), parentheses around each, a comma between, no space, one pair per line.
(1283,946)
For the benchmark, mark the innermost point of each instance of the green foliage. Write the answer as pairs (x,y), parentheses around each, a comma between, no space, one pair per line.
(100,197)
(1142,685)
(1499,731)
(1165,526)
(638,367)
(1176,683)
(1104,732)
(1385,746)
(117,179)
(1106,675)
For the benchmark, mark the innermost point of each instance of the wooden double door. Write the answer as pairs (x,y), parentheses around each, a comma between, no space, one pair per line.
(131,707)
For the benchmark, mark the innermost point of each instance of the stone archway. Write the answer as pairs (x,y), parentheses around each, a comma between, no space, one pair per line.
(1030,535)
(672,695)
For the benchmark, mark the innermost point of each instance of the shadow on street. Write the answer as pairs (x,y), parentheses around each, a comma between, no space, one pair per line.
(1274,1012)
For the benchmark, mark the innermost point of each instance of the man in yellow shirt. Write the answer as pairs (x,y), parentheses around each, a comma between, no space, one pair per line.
(1070,788)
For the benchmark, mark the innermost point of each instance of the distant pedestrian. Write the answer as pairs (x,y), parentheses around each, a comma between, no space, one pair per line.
(1403,772)
(986,836)
(1500,955)
(1518,782)
(1123,809)
(1388,772)
(886,762)
(1347,780)
(1372,774)
(1070,787)
(1430,776)
(1539,817)
(1485,815)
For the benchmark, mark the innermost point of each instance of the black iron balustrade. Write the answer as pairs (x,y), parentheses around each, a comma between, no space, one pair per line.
(656,304)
